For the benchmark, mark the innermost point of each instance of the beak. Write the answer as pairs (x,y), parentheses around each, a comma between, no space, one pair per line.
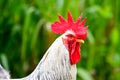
(80,41)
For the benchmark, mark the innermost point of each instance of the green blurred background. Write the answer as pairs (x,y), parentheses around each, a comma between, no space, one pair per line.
(25,35)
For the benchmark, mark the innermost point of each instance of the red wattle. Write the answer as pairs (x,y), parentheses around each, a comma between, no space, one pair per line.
(74,50)
(75,56)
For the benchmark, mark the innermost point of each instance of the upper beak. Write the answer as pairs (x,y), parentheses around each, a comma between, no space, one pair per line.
(80,41)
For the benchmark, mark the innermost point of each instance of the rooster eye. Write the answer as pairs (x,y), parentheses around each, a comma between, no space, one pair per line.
(70,36)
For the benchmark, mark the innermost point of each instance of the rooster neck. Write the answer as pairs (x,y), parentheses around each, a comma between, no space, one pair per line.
(55,64)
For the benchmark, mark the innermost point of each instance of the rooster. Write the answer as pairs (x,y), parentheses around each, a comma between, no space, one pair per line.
(59,62)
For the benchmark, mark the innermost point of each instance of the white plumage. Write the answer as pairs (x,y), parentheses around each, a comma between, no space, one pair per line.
(55,64)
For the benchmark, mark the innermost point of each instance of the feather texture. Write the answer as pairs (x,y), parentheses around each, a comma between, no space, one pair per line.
(3,73)
(55,65)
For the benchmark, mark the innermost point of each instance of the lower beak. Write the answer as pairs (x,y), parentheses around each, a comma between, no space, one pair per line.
(80,41)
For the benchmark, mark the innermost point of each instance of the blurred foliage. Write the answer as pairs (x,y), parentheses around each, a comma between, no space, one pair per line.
(25,35)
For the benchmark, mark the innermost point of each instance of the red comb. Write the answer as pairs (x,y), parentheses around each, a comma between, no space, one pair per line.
(77,27)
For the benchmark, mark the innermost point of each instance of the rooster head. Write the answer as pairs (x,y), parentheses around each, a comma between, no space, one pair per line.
(74,33)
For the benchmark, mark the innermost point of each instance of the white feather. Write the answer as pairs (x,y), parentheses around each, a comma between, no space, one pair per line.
(55,64)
